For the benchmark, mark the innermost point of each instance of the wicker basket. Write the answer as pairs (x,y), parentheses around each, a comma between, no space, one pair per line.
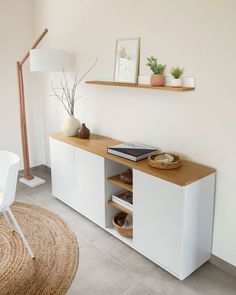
(172,165)
(125,232)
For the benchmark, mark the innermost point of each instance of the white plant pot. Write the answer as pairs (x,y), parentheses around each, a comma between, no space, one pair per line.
(168,81)
(144,80)
(176,82)
(188,82)
(70,126)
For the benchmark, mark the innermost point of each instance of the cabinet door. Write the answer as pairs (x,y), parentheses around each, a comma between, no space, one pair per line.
(158,220)
(62,168)
(90,186)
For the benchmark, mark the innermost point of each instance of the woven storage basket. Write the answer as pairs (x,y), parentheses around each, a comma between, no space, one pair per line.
(172,165)
(125,232)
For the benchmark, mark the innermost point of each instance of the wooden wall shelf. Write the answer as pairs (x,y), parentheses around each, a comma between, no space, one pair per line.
(109,83)
(121,208)
(116,180)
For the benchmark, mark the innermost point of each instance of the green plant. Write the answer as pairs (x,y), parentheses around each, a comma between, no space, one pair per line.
(177,72)
(156,68)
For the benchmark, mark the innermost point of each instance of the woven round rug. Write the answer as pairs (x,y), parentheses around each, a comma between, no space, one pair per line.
(55,248)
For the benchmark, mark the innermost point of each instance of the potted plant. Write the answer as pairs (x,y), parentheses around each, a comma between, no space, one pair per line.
(176,73)
(66,94)
(157,78)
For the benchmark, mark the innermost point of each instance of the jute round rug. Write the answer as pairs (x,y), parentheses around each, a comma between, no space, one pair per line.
(54,245)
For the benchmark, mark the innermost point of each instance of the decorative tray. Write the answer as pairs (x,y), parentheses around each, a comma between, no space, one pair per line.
(154,160)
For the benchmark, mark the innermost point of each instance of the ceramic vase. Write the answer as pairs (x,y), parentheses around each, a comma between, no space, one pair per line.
(157,80)
(176,82)
(83,132)
(168,80)
(188,82)
(70,126)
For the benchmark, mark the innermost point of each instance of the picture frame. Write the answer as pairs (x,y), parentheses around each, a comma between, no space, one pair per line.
(127,57)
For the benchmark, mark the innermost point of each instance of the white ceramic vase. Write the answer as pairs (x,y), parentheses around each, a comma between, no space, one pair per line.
(176,82)
(188,82)
(168,80)
(70,126)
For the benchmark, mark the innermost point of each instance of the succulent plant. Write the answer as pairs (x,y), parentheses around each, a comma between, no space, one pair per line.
(156,68)
(177,72)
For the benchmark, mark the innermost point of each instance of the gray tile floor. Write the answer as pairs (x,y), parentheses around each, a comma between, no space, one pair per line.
(107,266)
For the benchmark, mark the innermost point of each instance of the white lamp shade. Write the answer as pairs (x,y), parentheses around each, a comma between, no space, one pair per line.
(46,60)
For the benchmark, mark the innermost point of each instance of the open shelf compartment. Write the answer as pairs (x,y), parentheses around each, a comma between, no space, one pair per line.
(113,186)
(116,180)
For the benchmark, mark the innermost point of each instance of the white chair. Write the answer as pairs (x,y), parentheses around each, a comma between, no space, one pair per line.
(9,167)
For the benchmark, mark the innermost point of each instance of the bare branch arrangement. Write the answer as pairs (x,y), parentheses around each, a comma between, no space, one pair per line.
(66,92)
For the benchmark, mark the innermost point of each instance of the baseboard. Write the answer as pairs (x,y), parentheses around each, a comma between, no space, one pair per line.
(225,266)
(42,167)
(38,167)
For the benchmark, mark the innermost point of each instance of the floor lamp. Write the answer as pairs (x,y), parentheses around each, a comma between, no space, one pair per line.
(40,60)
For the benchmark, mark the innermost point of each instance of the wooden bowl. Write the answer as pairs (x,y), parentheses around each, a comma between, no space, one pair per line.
(171,165)
(127,176)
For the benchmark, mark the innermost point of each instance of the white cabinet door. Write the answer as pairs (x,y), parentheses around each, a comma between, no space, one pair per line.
(90,186)
(63,171)
(158,220)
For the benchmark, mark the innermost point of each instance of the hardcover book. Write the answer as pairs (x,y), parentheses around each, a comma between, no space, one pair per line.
(124,198)
(131,151)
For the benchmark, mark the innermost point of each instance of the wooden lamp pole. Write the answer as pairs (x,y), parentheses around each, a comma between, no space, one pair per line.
(27,171)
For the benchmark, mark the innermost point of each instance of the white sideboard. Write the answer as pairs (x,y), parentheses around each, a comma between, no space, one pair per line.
(172,210)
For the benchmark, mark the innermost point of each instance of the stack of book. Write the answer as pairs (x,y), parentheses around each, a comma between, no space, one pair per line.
(124,198)
(131,151)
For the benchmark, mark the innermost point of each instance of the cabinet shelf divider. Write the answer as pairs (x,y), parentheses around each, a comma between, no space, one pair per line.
(121,208)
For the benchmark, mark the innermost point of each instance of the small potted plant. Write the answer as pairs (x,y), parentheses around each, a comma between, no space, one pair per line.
(176,73)
(157,78)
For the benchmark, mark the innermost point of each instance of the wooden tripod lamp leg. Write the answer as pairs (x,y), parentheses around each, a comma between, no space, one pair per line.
(24,139)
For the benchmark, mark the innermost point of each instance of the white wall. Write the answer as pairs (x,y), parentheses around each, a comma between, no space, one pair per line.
(17,36)
(199,35)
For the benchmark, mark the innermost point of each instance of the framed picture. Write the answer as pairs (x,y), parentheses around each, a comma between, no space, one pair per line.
(127,60)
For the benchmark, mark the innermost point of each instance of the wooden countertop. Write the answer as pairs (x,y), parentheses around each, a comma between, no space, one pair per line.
(189,172)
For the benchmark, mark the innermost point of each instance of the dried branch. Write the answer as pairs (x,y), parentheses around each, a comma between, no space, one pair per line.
(65,95)
(90,69)
(60,99)
(68,92)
